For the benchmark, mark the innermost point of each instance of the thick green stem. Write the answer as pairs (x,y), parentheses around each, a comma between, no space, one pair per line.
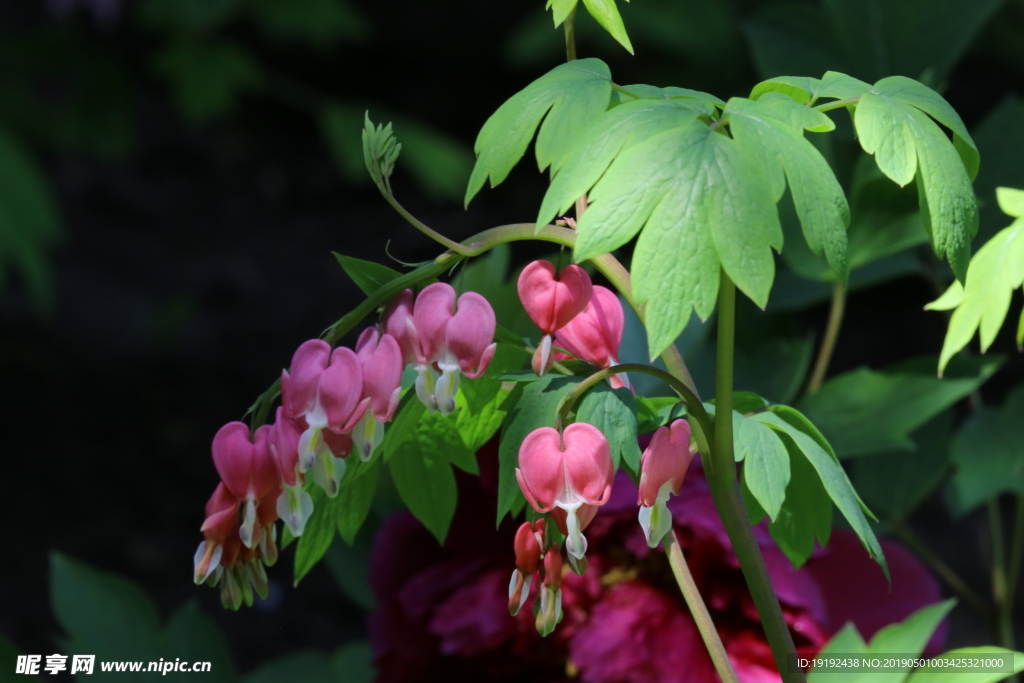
(836,104)
(828,344)
(570,36)
(698,609)
(724,490)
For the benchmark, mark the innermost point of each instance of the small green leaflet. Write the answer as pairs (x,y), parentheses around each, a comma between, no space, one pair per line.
(995,271)
(604,11)
(765,462)
(614,412)
(610,134)
(567,98)
(705,204)
(530,405)
(367,275)
(807,90)
(894,123)
(988,455)
(772,128)
(806,513)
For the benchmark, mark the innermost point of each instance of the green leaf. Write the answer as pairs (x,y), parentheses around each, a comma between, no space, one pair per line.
(1000,137)
(938,672)
(368,275)
(893,124)
(873,411)
(356,494)
(193,636)
(894,484)
(989,455)
(29,223)
(102,613)
(833,478)
(207,78)
(607,14)
(319,531)
(353,662)
(806,512)
(704,204)
(567,98)
(530,406)
(560,10)
(1011,201)
(802,89)
(766,462)
(772,128)
(425,481)
(611,134)
(477,428)
(613,411)
(654,412)
(984,300)
(350,567)
(906,638)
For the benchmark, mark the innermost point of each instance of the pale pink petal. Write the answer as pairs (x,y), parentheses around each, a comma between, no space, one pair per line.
(398,322)
(341,388)
(431,314)
(233,457)
(551,303)
(588,463)
(284,446)
(541,473)
(382,373)
(298,386)
(470,333)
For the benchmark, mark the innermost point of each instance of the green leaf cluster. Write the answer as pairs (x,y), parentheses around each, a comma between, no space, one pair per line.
(908,639)
(604,11)
(380,151)
(791,474)
(983,300)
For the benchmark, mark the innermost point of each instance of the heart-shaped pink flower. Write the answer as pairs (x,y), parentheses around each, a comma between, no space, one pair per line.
(551,302)
(566,471)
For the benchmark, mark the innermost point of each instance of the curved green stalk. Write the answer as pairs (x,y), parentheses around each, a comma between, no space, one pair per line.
(724,490)
(828,343)
(698,609)
(701,422)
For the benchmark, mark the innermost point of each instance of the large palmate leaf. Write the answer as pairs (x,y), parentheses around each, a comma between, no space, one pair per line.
(566,98)
(984,300)
(894,121)
(612,133)
(773,126)
(705,204)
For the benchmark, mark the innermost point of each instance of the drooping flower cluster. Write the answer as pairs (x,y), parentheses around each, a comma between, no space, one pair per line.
(529,561)
(443,339)
(332,402)
(586,320)
(569,475)
(443,611)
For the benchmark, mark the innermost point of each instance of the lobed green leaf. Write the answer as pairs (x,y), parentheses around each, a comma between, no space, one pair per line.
(567,98)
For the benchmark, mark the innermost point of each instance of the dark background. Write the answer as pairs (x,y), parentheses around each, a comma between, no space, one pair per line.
(192,248)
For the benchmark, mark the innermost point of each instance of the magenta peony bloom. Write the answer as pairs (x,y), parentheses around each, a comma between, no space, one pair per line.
(443,612)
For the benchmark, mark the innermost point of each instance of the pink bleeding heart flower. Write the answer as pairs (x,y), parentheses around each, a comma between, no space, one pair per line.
(398,322)
(325,390)
(381,360)
(294,505)
(247,471)
(596,334)
(528,542)
(455,342)
(220,524)
(551,302)
(663,467)
(566,471)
